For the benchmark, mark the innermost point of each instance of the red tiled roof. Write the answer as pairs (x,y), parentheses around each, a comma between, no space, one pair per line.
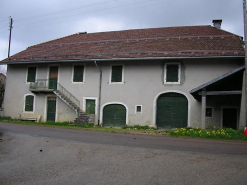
(190,41)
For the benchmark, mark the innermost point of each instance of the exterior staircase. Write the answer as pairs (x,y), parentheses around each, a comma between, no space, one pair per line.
(81,117)
(48,86)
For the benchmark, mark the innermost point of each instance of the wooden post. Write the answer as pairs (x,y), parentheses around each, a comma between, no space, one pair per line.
(10,31)
(203,116)
(245,37)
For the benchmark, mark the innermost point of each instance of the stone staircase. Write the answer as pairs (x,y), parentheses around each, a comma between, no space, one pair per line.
(81,117)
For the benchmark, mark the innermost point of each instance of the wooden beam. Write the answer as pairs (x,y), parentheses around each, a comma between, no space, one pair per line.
(221,92)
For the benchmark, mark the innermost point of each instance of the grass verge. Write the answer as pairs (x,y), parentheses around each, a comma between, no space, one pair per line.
(214,133)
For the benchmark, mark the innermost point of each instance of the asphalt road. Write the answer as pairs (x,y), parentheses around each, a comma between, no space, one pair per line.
(130,140)
(46,155)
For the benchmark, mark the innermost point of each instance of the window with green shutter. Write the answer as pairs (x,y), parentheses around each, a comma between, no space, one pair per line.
(31,74)
(116,73)
(29,103)
(78,73)
(172,73)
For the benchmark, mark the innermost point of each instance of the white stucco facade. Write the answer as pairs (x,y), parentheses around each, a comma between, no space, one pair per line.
(143,82)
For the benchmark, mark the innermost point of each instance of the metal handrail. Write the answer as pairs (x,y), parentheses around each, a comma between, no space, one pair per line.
(70,96)
(40,84)
(50,84)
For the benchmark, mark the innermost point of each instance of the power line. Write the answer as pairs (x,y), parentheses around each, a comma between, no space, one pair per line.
(44,7)
(4,26)
(66,10)
(98,11)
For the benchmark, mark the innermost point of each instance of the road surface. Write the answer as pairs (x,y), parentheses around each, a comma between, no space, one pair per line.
(47,155)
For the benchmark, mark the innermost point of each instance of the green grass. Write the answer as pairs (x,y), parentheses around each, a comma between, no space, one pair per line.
(214,133)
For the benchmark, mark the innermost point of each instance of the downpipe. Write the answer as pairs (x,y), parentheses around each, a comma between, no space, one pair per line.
(100,82)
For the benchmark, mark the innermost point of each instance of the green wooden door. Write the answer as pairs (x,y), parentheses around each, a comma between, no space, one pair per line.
(172,111)
(53,77)
(114,115)
(51,109)
(90,106)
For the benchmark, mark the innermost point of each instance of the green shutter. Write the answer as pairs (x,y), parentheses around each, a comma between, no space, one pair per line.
(31,74)
(51,109)
(78,73)
(29,103)
(116,75)
(172,73)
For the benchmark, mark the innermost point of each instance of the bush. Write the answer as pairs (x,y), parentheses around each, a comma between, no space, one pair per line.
(138,127)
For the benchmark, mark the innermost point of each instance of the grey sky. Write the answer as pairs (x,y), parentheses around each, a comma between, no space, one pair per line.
(38,21)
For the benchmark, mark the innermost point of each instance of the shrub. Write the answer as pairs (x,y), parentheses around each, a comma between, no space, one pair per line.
(138,127)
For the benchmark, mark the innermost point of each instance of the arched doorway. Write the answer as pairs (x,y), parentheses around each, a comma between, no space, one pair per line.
(114,115)
(172,111)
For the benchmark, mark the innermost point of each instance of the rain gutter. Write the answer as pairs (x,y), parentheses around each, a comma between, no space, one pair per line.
(119,59)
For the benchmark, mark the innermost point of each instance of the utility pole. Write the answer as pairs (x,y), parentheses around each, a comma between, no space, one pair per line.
(10,31)
(245,42)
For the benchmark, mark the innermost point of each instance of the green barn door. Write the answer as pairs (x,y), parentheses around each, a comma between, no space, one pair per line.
(114,115)
(51,109)
(53,77)
(172,111)
(90,106)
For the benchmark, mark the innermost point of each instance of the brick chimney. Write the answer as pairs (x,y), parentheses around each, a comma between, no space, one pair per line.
(217,23)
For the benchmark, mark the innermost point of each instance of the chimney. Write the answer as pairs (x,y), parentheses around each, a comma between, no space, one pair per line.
(217,23)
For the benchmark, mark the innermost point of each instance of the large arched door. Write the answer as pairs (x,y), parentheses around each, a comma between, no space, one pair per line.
(114,115)
(172,111)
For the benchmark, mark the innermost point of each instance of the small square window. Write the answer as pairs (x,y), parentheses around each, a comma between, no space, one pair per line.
(209,112)
(138,108)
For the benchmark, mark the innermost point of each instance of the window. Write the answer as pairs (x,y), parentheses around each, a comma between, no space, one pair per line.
(209,112)
(78,73)
(29,101)
(138,109)
(172,73)
(117,73)
(31,74)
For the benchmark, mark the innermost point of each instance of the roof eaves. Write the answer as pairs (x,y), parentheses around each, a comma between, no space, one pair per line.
(117,59)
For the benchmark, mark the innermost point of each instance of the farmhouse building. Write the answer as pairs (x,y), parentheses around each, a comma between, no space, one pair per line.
(168,77)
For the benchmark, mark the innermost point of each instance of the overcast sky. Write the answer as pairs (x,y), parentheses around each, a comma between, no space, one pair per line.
(37,21)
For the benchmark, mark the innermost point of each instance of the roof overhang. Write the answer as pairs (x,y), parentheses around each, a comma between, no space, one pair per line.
(118,59)
(229,82)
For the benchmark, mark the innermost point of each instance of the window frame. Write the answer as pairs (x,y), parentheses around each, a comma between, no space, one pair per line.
(24,108)
(206,112)
(35,73)
(179,72)
(136,108)
(110,78)
(83,77)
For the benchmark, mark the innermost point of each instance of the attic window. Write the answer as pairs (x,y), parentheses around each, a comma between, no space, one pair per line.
(78,73)
(172,73)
